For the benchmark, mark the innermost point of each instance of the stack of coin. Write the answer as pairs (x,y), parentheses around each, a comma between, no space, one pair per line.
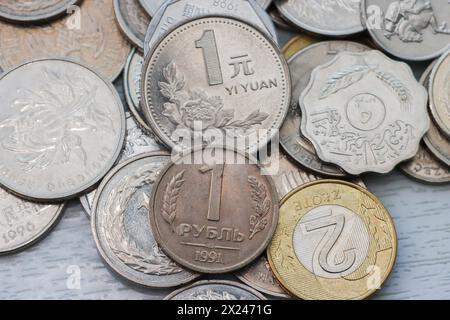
(186,177)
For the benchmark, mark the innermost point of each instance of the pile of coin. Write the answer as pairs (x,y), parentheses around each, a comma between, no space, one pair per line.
(179,180)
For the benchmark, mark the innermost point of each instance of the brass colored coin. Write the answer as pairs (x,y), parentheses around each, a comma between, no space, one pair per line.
(297,43)
(212,215)
(89,36)
(334,240)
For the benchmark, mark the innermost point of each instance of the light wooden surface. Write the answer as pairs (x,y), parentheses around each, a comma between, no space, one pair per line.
(421,213)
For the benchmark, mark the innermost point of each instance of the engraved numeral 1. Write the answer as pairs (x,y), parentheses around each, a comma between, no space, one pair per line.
(215,191)
(208,44)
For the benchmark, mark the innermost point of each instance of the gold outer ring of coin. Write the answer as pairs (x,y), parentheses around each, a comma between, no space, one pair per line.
(297,43)
(294,280)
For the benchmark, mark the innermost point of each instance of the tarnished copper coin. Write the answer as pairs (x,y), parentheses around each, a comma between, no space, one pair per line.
(133,20)
(90,36)
(213,210)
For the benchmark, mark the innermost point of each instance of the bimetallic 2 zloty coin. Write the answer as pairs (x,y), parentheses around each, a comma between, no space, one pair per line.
(364,112)
(133,20)
(409,29)
(215,290)
(232,219)
(332,237)
(301,65)
(22,222)
(136,142)
(219,74)
(62,128)
(121,227)
(151,6)
(326,17)
(34,10)
(90,35)
(175,12)
(439,88)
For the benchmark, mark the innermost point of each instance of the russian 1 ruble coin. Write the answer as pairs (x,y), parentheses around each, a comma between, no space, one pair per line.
(215,290)
(33,11)
(409,29)
(325,17)
(90,35)
(301,64)
(136,142)
(133,21)
(364,112)
(62,128)
(22,223)
(334,240)
(232,219)
(215,76)
(174,12)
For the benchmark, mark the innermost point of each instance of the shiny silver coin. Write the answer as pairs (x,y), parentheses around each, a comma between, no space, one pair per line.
(364,112)
(62,128)
(218,74)
(151,6)
(133,20)
(409,29)
(136,142)
(121,227)
(22,222)
(215,290)
(301,66)
(175,12)
(325,17)
(35,10)
(264,3)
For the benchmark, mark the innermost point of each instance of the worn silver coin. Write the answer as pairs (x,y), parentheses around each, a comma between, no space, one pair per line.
(133,21)
(22,222)
(409,29)
(301,66)
(175,12)
(151,6)
(136,142)
(217,74)
(364,112)
(215,290)
(32,11)
(121,228)
(325,17)
(62,128)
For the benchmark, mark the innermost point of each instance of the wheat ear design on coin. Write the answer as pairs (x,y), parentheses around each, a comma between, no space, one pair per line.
(344,79)
(397,86)
(261,204)
(173,188)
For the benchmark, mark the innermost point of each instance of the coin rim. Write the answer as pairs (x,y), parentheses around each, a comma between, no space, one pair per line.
(126,30)
(371,196)
(243,261)
(95,233)
(216,282)
(90,185)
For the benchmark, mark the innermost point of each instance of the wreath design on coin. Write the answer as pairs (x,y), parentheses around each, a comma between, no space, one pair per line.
(173,188)
(213,295)
(262,206)
(186,107)
(125,248)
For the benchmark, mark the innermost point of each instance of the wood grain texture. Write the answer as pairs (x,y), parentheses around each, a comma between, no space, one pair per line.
(421,215)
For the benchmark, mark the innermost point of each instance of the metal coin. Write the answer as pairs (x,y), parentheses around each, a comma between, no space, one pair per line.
(438,144)
(301,65)
(136,142)
(332,238)
(34,10)
(62,128)
(90,35)
(133,20)
(22,223)
(175,12)
(439,88)
(215,290)
(121,228)
(278,19)
(151,6)
(330,18)
(409,29)
(264,3)
(231,76)
(364,112)
(230,223)
(297,43)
